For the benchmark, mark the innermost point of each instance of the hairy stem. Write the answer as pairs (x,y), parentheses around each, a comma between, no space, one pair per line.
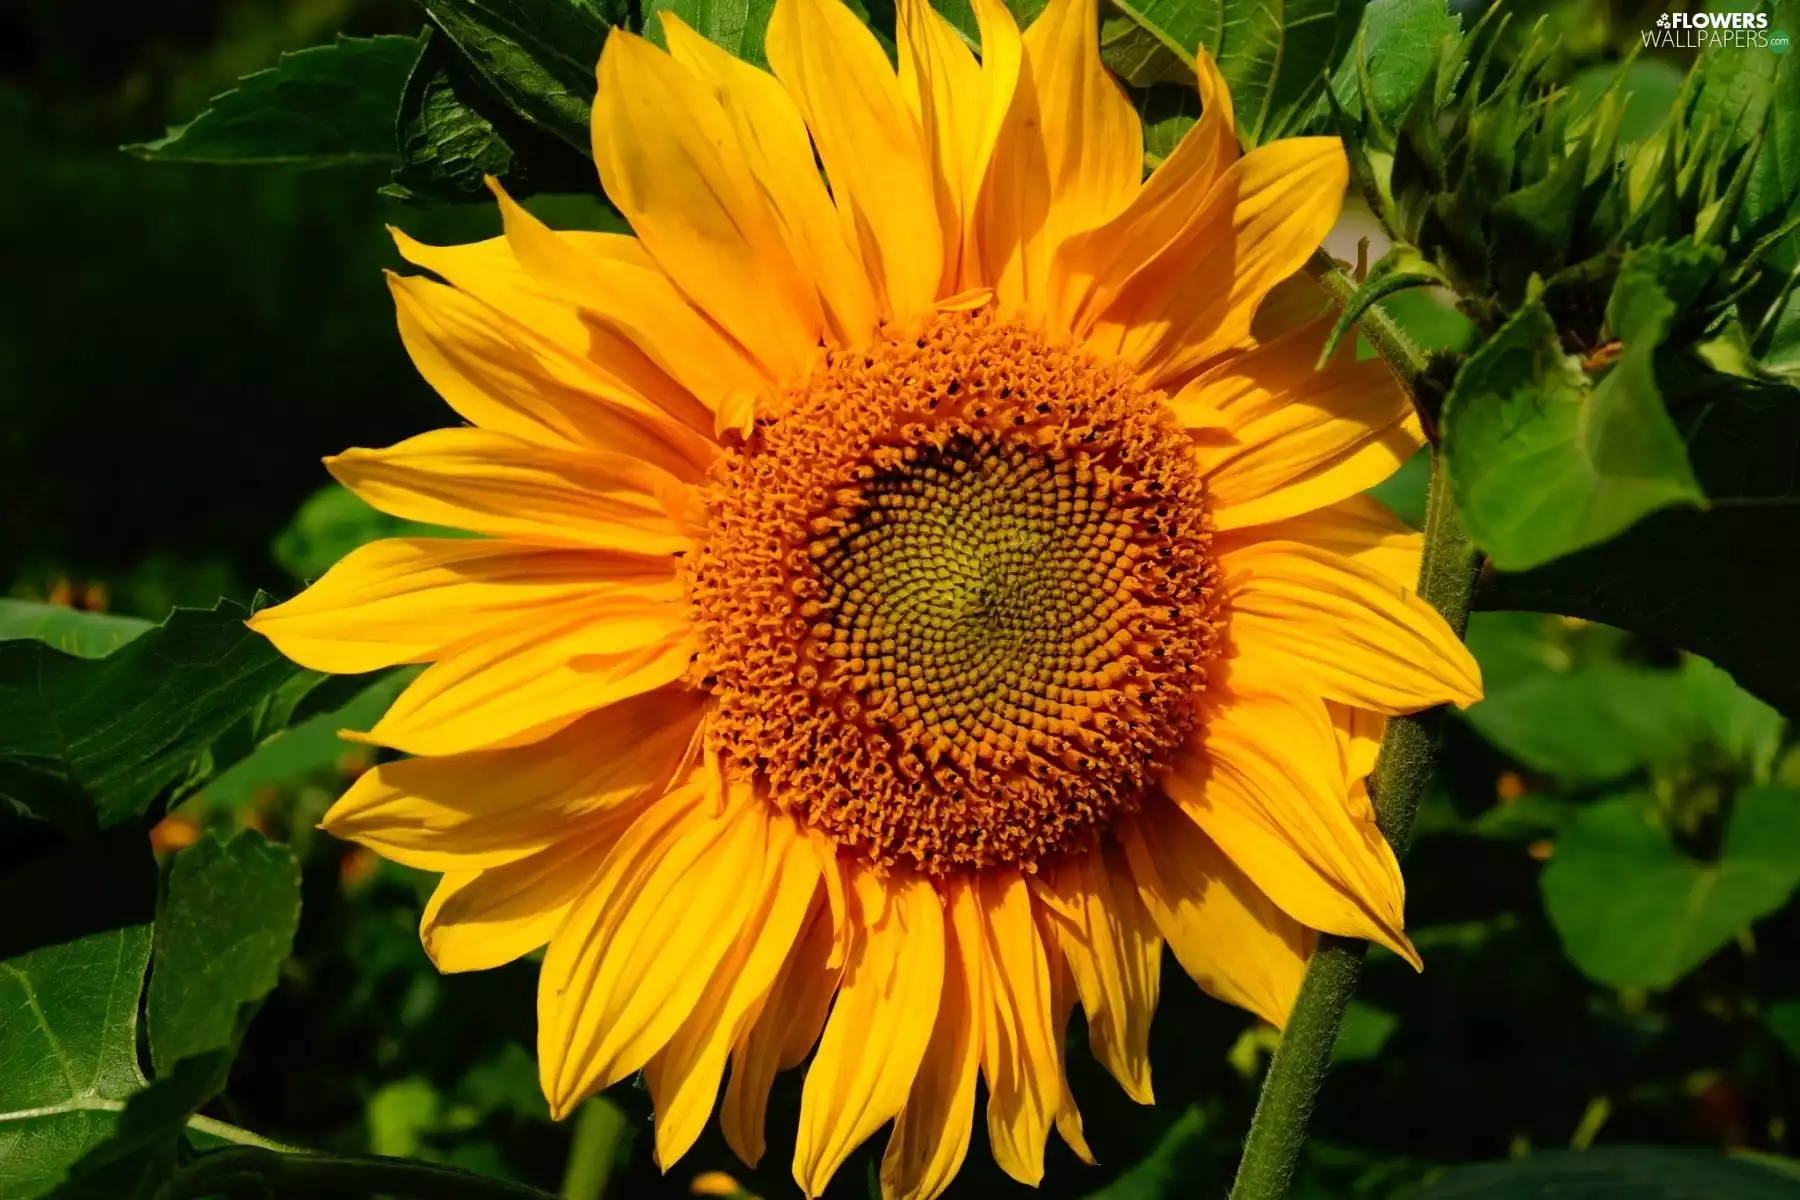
(252,1171)
(1408,754)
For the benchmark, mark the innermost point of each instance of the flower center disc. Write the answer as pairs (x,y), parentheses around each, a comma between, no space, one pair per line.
(957,600)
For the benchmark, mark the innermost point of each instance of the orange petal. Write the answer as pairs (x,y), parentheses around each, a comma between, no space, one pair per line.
(1260,223)
(638,950)
(931,1135)
(495,484)
(1069,158)
(1231,938)
(670,161)
(404,600)
(783,1034)
(1300,439)
(1020,1047)
(1093,266)
(775,143)
(870,143)
(1314,622)
(684,1075)
(1115,955)
(591,346)
(467,812)
(523,681)
(1361,529)
(879,1027)
(1265,780)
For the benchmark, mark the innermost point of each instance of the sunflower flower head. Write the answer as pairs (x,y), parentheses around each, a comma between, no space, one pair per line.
(905,605)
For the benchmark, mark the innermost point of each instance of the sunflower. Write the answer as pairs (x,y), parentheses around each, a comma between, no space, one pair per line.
(904,604)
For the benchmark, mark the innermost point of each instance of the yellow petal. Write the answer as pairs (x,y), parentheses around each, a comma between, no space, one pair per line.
(1301,439)
(684,1075)
(1115,955)
(1020,1047)
(1062,1003)
(961,106)
(1265,780)
(1069,158)
(638,950)
(632,310)
(595,345)
(467,812)
(783,1034)
(499,485)
(879,1026)
(1360,529)
(1231,938)
(1093,266)
(502,378)
(931,1135)
(670,161)
(1262,220)
(403,600)
(870,144)
(1317,623)
(523,681)
(775,143)
(478,920)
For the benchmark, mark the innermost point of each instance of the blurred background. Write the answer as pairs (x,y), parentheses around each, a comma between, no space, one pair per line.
(179,345)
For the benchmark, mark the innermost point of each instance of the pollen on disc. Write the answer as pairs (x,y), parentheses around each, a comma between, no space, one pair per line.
(957,598)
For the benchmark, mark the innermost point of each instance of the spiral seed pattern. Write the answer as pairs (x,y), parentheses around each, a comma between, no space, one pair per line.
(957,601)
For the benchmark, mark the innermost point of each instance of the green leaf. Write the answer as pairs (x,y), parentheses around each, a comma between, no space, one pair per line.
(88,743)
(1593,724)
(83,634)
(538,58)
(454,134)
(69,1004)
(1543,462)
(225,928)
(734,25)
(1633,910)
(325,106)
(1714,582)
(1273,54)
(1400,268)
(1616,1173)
(309,748)
(1398,41)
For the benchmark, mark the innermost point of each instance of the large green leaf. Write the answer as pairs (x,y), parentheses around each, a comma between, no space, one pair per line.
(1633,910)
(72,1097)
(454,134)
(224,929)
(1616,1173)
(1397,42)
(307,749)
(69,986)
(537,57)
(83,634)
(1274,54)
(1600,722)
(1544,462)
(1717,582)
(325,106)
(736,25)
(87,743)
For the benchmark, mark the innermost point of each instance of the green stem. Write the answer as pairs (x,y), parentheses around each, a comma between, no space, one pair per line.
(1447,576)
(254,1171)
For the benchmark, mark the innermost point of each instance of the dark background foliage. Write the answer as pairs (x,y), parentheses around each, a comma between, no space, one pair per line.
(179,344)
